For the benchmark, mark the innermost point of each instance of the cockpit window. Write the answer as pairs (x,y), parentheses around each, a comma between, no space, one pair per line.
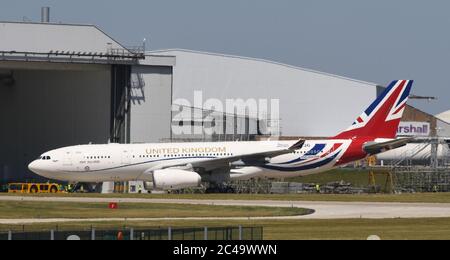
(45,158)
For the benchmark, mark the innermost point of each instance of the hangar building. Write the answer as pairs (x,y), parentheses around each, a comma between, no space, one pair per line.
(312,103)
(69,84)
(64,84)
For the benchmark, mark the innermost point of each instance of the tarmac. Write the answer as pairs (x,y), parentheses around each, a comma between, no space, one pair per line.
(323,210)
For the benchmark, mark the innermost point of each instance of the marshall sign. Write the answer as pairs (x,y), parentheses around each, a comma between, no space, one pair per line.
(414,129)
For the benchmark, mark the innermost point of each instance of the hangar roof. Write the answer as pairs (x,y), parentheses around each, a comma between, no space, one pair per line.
(42,37)
(445,116)
(61,41)
(173,52)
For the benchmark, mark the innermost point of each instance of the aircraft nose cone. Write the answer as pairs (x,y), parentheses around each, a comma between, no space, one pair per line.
(33,166)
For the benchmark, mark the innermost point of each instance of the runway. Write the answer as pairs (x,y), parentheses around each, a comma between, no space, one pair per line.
(323,210)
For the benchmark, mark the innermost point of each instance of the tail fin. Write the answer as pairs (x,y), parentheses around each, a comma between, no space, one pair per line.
(382,118)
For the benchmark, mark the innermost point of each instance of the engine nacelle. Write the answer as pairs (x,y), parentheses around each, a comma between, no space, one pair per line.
(174,179)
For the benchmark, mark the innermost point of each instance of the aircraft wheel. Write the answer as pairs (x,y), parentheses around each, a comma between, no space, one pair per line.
(34,189)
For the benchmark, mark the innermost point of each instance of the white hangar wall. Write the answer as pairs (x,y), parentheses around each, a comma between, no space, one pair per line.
(151,104)
(311,103)
(443,129)
(65,84)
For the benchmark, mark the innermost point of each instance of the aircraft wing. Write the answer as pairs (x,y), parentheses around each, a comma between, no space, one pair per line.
(252,159)
(376,148)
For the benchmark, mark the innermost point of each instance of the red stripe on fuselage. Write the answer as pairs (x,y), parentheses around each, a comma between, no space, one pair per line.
(354,152)
(335,147)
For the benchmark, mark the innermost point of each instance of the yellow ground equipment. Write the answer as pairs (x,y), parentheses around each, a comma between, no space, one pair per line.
(35,188)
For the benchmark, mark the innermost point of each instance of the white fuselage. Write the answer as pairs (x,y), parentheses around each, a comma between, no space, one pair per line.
(128,162)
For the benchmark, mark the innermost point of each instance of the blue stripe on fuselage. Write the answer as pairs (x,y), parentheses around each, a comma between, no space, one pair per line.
(301,168)
(314,151)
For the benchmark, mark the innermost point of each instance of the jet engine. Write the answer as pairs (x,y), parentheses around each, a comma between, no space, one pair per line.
(175,179)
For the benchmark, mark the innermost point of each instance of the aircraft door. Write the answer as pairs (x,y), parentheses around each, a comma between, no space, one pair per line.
(126,157)
(78,158)
(67,160)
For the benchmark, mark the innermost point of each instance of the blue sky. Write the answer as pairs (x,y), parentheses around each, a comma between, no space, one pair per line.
(376,41)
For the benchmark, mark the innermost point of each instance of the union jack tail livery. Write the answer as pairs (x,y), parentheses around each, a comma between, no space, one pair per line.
(382,118)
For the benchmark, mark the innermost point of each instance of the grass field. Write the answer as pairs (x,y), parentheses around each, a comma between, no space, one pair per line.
(406,198)
(359,229)
(403,229)
(357,177)
(21,210)
(438,228)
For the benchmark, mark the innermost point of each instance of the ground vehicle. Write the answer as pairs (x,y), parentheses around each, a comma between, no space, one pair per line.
(4,188)
(35,188)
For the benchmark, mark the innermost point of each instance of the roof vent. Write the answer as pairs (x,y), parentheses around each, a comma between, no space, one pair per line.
(45,15)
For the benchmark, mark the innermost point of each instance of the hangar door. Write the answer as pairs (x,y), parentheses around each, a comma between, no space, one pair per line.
(151,104)
(44,106)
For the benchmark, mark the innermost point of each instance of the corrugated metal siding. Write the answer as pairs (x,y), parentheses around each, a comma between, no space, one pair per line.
(311,103)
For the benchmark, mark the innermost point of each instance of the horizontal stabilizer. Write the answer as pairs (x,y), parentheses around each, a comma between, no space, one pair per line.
(376,148)
(298,145)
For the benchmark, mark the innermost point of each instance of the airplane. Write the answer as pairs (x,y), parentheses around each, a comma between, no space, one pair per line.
(172,166)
